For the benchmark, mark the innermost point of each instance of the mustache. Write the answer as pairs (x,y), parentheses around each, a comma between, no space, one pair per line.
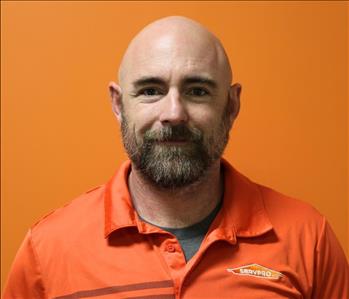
(173,133)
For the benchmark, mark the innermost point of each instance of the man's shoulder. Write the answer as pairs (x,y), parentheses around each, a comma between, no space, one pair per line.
(276,203)
(289,214)
(83,211)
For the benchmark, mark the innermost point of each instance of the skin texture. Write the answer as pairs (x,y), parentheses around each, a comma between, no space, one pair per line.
(174,50)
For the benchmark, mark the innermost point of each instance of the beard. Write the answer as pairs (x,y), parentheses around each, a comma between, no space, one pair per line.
(172,166)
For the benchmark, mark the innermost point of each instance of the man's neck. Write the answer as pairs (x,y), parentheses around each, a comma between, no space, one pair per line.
(177,208)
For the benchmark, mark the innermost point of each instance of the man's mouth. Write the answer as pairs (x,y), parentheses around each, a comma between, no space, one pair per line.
(177,141)
(174,142)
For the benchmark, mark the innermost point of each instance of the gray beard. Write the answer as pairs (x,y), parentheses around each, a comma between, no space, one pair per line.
(172,166)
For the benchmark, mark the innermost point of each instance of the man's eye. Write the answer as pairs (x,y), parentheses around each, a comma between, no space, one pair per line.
(149,92)
(197,92)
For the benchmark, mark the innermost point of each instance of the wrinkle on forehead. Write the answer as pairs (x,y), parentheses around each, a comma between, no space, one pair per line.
(174,37)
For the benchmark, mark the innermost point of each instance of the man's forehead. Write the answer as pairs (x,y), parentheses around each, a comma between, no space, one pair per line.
(172,64)
(168,69)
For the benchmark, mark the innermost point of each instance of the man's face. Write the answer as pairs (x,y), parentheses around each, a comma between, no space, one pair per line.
(176,113)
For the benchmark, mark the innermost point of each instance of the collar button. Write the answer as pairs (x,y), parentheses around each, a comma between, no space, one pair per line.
(170,248)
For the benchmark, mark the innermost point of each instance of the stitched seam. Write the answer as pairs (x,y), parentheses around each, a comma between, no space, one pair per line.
(322,233)
(36,259)
(317,257)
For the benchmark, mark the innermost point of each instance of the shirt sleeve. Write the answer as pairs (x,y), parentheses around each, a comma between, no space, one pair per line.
(25,279)
(331,267)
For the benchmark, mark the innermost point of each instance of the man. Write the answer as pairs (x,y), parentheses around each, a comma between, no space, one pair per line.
(177,221)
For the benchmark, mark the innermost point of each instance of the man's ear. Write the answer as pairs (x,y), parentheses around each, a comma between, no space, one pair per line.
(116,99)
(234,101)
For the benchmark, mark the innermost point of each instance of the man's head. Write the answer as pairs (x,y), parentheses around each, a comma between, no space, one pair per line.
(175,101)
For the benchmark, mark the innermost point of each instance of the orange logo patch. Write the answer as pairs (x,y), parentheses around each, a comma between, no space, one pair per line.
(256,271)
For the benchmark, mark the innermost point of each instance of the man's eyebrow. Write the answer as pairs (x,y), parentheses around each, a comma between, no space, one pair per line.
(147,80)
(200,80)
(187,80)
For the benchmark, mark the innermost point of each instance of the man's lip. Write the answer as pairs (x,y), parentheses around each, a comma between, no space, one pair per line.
(172,142)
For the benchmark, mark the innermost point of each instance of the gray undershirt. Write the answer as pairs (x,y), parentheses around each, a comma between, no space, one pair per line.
(190,237)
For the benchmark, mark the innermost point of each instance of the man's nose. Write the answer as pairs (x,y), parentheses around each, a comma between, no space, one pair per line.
(174,111)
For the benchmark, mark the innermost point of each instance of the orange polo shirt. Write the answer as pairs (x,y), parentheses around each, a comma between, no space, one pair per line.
(261,244)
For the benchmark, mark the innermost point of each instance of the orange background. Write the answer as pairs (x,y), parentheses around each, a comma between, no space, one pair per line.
(59,136)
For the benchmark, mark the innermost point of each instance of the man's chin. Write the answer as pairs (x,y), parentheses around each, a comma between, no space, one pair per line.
(171,183)
(172,171)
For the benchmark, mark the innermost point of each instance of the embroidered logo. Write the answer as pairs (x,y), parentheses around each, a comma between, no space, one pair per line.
(256,271)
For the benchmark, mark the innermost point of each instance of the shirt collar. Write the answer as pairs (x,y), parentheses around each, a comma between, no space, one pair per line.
(118,208)
(243,205)
(242,212)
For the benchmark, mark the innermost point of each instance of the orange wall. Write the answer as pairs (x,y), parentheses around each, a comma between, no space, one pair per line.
(59,137)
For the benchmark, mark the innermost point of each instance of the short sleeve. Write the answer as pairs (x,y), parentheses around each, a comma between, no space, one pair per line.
(25,279)
(331,267)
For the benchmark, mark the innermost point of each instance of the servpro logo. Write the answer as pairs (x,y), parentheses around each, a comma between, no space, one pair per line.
(256,271)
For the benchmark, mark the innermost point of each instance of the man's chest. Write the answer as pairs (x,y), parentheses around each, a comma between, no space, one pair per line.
(152,266)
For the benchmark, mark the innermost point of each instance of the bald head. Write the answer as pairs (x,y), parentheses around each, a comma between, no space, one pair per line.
(175,101)
(173,37)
